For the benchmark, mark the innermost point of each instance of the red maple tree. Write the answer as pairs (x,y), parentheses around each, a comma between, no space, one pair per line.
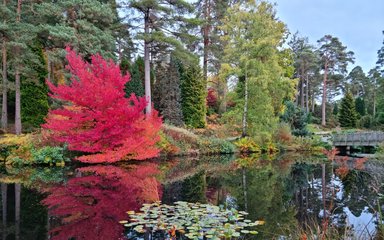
(97,118)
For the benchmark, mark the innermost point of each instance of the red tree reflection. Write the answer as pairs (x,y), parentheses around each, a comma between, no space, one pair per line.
(91,206)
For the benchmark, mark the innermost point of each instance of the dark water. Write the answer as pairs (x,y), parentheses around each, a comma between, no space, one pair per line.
(288,192)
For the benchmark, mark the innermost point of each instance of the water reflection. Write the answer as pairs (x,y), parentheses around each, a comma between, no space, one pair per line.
(293,194)
(91,204)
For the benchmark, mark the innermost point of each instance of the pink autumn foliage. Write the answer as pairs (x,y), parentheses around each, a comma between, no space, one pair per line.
(91,205)
(97,118)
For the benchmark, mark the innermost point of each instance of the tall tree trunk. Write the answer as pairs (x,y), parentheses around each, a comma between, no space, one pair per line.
(245,112)
(17,209)
(306,93)
(4,188)
(17,104)
(4,108)
(374,103)
(313,101)
(147,73)
(302,88)
(324,101)
(206,29)
(17,80)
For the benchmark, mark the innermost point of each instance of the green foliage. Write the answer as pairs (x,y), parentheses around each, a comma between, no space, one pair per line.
(247,145)
(34,92)
(193,95)
(135,85)
(251,53)
(20,150)
(34,103)
(168,94)
(347,114)
(365,122)
(360,106)
(50,155)
(193,188)
(297,118)
(215,146)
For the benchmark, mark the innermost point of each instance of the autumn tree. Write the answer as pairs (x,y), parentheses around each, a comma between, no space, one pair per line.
(97,118)
(334,59)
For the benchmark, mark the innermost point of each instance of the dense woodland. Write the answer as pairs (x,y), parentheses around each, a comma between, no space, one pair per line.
(233,60)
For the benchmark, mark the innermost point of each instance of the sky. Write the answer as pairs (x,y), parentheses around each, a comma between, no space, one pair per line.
(357,23)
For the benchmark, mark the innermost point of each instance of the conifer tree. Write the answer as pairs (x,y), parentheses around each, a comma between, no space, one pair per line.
(193,95)
(168,93)
(135,85)
(334,59)
(34,94)
(347,112)
(165,25)
(360,106)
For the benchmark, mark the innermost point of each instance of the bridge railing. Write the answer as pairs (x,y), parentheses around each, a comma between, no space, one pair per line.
(358,139)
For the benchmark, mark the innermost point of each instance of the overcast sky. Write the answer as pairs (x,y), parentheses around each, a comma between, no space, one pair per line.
(357,23)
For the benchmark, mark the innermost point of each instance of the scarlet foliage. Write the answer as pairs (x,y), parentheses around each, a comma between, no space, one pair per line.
(91,206)
(211,98)
(97,118)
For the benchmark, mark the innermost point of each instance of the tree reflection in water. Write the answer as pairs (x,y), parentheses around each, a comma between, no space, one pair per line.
(91,205)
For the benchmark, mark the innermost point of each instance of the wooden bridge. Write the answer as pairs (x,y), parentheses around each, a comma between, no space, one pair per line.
(358,139)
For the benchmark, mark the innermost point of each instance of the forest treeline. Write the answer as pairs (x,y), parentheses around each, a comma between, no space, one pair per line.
(235,58)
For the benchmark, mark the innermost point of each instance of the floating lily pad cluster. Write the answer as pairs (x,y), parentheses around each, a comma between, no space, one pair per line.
(192,220)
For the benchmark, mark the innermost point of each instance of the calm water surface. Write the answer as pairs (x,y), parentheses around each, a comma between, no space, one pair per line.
(289,192)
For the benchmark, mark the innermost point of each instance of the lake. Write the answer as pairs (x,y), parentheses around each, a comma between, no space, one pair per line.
(291,194)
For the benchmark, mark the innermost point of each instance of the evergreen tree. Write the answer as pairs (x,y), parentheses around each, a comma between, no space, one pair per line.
(347,112)
(360,106)
(193,95)
(334,58)
(306,68)
(167,92)
(165,25)
(356,82)
(135,85)
(34,94)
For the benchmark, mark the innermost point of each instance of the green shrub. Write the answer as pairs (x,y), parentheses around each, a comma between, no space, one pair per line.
(216,146)
(365,122)
(50,155)
(247,145)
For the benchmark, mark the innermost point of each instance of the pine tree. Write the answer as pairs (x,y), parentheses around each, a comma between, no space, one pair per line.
(334,58)
(360,106)
(193,95)
(347,112)
(165,24)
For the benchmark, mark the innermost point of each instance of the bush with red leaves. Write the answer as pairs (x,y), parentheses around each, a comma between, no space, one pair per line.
(97,118)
